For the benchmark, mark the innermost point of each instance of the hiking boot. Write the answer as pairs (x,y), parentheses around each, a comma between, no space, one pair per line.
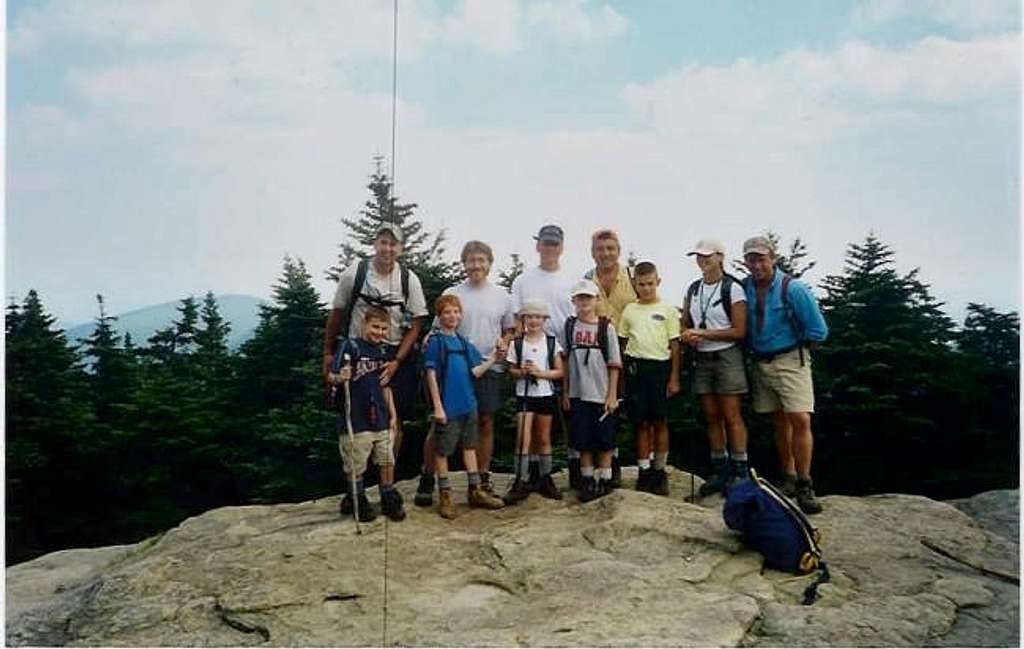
(549,489)
(716,481)
(517,493)
(643,480)
(603,488)
(391,505)
(587,490)
(739,471)
(445,506)
(616,481)
(659,482)
(533,484)
(367,512)
(480,497)
(575,476)
(805,497)
(486,485)
(425,491)
(345,507)
(788,485)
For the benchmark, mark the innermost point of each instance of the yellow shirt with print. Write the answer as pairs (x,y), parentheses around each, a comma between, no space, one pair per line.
(614,302)
(649,329)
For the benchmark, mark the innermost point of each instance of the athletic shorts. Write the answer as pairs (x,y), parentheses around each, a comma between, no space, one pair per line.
(355,452)
(589,431)
(646,381)
(405,384)
(461,430)
(491,390)
(538,405)
(721,372)
(783,383)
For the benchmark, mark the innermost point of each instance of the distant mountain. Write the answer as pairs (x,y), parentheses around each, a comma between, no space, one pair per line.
(242,311)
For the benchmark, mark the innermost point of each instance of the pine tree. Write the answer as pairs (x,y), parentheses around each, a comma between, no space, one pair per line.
(422,252)
(112,369)
(507,276)
(47,431)
(884,371)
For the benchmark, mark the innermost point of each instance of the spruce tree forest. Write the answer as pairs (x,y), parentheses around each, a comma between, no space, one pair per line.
(111,440)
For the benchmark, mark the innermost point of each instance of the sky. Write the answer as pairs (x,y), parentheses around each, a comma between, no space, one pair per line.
(165,148)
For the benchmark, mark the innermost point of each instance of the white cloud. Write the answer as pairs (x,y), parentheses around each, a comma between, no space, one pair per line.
(807,97)
(963,15)
(569,20)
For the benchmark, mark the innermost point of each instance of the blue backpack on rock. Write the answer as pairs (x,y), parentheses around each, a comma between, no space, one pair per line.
(774,526)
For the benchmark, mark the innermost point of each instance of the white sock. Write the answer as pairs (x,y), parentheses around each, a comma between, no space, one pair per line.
(587,471)
(644,463)
(604,474)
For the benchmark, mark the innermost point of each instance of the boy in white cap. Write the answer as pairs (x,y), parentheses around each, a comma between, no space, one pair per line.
(590,389)
(535,362)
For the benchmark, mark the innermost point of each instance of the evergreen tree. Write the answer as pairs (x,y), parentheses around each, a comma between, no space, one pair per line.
(884,371)
(509,275)
(47,432)
(422,252)
(112,369)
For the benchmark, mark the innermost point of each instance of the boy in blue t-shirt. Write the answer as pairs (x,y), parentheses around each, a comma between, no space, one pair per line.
(373,418)
(452,363)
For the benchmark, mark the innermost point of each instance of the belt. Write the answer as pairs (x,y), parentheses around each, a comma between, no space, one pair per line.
(767,357)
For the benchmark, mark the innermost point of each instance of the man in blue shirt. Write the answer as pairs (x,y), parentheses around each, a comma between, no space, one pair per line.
(783,320)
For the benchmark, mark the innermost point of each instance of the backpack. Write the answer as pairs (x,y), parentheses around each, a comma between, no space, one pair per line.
(602,335)
(724,294)
(518,343)
(442,371)
(774,526)
(357,292)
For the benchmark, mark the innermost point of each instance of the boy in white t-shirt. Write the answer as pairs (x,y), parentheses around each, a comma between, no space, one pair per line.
(535,362)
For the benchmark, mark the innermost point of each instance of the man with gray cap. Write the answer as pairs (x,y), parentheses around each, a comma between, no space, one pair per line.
(783,320)
(382,282)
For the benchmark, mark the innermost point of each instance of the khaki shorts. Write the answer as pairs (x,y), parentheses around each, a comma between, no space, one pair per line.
(721,372)
(377,443)
(784,384)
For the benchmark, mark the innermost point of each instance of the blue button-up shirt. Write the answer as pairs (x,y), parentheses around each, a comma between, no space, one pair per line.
(769,329)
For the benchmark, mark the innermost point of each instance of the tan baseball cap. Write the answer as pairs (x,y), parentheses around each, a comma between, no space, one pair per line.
(584,287)
(534,307)
(707,247)
(757,246)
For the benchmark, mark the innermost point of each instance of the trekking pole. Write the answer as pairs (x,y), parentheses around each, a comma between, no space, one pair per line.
(352,443)
(525,424)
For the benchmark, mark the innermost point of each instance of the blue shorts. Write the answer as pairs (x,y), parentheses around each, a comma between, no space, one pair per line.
(589,431)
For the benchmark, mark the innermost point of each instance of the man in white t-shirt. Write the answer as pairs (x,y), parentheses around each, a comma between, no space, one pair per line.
(552,285)
(487,319)
(383,283)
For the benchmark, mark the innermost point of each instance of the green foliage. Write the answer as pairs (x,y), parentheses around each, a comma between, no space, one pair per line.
(507,276)
(422,252)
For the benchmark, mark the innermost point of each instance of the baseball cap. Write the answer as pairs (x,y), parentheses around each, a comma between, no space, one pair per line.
(757,246)
(550,233)
(707,247)
(584,287)
(393,230)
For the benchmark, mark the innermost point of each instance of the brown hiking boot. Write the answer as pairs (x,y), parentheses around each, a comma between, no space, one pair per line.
(480,497)
(445,506)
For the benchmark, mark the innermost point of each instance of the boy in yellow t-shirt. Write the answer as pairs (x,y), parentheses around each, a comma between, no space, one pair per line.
(651,328)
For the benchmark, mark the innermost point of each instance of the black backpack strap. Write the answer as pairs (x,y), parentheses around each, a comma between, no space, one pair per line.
(725,295)
(517,344)
(570,327)
(405,285)
(551,352)
(691,292)
(602,337)
(357,288)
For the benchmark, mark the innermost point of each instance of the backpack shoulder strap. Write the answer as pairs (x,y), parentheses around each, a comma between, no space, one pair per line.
(405,284)
(551,352)
(517,343)
(602,336)
(725,294)
(790,312)
(570,327)
(357,288)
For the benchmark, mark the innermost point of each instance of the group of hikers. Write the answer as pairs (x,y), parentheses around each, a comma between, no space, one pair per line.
(579,350)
